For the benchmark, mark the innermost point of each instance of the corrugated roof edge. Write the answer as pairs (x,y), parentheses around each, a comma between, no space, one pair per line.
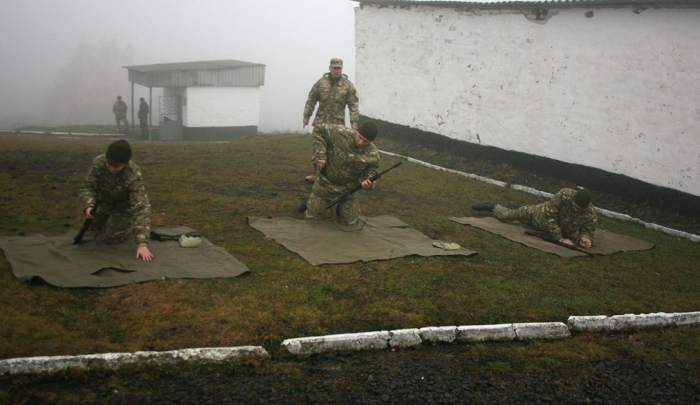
(197,65)
(537,3)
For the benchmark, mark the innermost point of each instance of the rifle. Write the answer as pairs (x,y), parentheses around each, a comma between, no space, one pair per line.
(556,242)
(358,187)
(86,225)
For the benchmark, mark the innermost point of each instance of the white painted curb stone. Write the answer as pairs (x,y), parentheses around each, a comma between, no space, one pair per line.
(482,333)
(446,334)
(594,323)
(541,330)
(686,318)
(45,364)
(405,338)
(631,321)
(349,341)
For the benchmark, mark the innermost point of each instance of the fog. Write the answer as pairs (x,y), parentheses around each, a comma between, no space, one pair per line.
(62,62)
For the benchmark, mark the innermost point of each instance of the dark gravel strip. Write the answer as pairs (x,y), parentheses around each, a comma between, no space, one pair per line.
(447,374)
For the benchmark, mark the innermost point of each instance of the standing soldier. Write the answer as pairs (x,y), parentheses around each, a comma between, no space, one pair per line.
(332,92)
(116,182)
(143,117)
(119,110)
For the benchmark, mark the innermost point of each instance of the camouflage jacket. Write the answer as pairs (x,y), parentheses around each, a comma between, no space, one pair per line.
(144,110)
(347,165)
(123,192)
(557,216)
(119,108)
(332,97)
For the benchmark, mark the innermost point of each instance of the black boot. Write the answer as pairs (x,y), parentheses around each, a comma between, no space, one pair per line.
(482,207)
(302,207)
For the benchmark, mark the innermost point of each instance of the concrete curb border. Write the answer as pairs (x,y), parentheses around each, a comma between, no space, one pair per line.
(64,134)
(307,346)
(611,214)
(381,340)
(46,364)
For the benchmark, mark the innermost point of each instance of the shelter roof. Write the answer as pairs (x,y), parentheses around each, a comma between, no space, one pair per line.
(200,73)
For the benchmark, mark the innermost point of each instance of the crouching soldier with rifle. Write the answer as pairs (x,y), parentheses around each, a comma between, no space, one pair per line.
(345,158)
(117,183)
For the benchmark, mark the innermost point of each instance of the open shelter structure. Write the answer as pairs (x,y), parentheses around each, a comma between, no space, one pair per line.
(204,100)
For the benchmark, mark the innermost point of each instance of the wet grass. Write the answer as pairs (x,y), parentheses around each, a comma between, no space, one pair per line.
(214,187)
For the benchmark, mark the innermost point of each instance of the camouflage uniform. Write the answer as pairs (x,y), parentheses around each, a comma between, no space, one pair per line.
(332,96)
(124,205)
(143,117)
(556,217)
(119,109)
(347,165)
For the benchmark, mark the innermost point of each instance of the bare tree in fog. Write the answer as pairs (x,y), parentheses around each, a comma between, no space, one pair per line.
(86,88)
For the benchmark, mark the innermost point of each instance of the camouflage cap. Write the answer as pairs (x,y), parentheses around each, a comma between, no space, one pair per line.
(336,62)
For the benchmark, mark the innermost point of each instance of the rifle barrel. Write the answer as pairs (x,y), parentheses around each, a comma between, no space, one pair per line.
(359,187)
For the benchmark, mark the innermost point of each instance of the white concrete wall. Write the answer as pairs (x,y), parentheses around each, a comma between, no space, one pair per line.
(618,91)
(221,106)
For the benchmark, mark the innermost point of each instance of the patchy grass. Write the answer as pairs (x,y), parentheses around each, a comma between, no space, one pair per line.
(213,187)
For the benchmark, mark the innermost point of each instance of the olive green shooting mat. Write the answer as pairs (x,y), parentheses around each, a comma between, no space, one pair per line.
(321,242)
(56,261)
(605,242)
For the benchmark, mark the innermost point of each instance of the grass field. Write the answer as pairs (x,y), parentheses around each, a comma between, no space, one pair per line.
(214,187)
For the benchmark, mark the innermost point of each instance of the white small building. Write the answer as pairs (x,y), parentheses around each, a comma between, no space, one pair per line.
(612,85)
(206,100)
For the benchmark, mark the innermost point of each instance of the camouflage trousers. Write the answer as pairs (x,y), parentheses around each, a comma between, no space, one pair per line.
(112,229)
(528,214)
(144,127)
(120,119)
(322,193)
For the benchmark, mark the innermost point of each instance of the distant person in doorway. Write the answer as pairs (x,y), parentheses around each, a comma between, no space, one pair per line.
(568,215)
(143,117)
(332,92)
(115,181)
(119,109)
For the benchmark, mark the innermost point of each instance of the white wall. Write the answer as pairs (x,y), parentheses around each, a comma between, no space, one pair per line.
(618,91)
(221,107)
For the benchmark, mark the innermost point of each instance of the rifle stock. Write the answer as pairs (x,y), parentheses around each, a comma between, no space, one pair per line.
(358,187)
(556,242)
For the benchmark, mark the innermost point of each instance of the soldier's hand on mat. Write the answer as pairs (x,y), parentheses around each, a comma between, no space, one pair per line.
(320,164)
(367,184)
(585,243)
(143,253)
(567,241)
(88,213)
(305,122)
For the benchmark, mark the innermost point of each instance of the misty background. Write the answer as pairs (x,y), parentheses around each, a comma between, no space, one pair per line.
(62,62)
